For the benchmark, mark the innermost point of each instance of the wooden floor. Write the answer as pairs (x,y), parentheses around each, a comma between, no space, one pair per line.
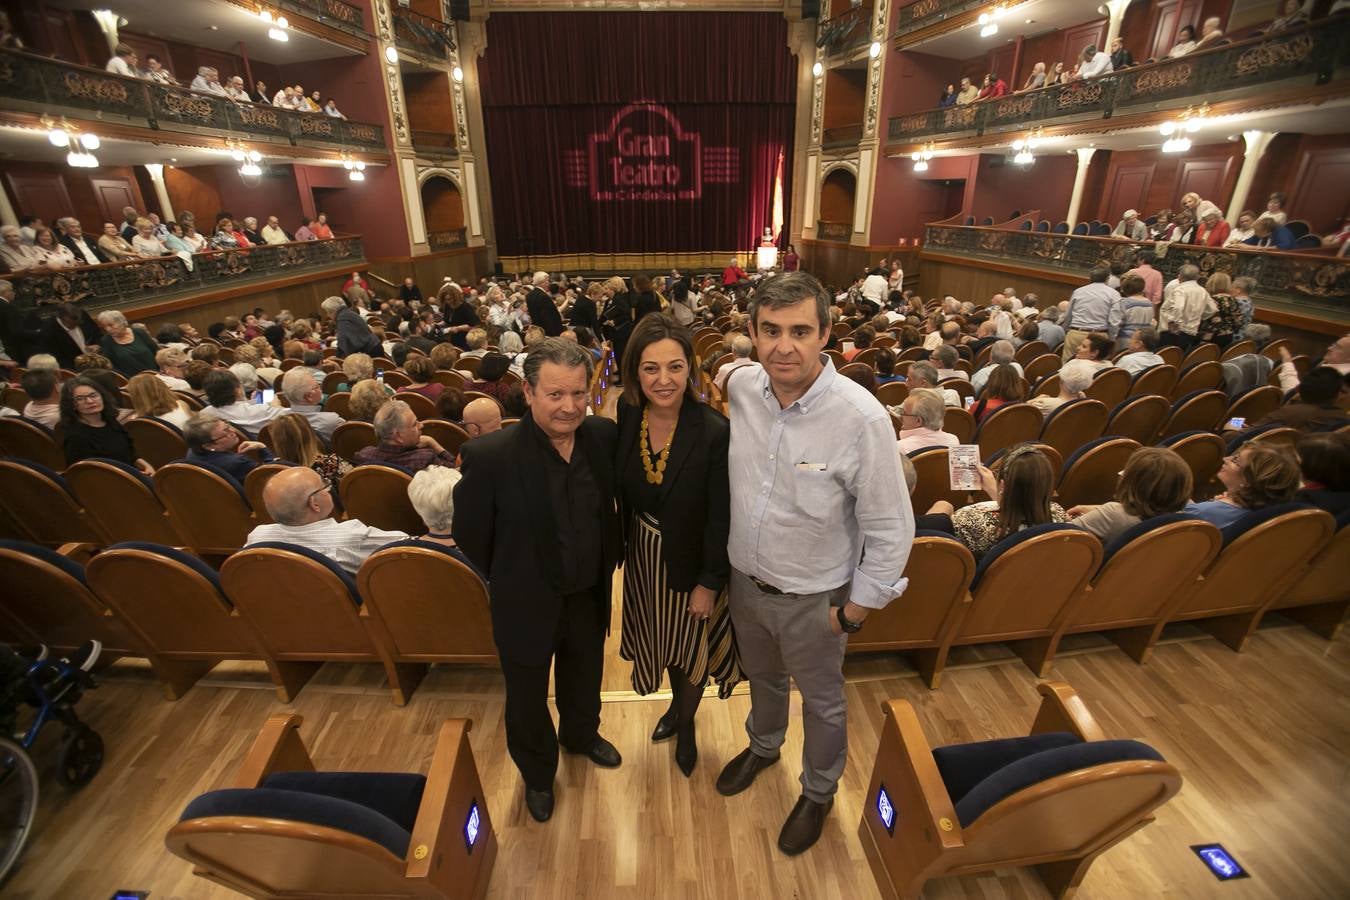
(1262,739)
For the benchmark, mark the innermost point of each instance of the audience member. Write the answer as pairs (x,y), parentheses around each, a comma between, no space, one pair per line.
(1268,233)
(1154,482)
(353,334)
(1094,63)
(1227,322)
(1254,477)
(130,350)
(921,419)
(1121,58)
(421,370)
(432,494)
(1003,386)
(296,442)
(885,361)
(1048,329)
(366,399)
(1211,34)
(1153,280)
(321,229)
(44,397)
(947,99)
(1002,354)
(83,248)
(1141,354)
(305,232)
(1292,14)
(939,515)
(1323,395)
(214,444)
(1185,305)
(1019,495)
(89,425)
(225,394)
(1325,460)
(1136,310)
(1243,231)
(305,394)
(967,94)
(1096,350)
(1131,226)
(150,397)
(1274,210)
(402,442)
(50,252)
(1212,230)
(301,506)
(1074,379)
(1092,307)
(1185,42)
(123,62)
(925,375)
(481,416)
(14,253)
(155,70)
(1035,80)
(488,379)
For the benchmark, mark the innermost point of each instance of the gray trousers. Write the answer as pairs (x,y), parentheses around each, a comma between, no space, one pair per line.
(789,635)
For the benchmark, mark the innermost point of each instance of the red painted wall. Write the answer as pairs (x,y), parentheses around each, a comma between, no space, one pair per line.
(915,81)
(1045,185)
(905,200)
(371,208)
(206,190)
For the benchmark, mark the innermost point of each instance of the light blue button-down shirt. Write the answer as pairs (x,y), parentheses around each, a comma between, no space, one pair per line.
(815,485)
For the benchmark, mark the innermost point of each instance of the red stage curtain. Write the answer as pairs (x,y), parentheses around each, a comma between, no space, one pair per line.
(633,132)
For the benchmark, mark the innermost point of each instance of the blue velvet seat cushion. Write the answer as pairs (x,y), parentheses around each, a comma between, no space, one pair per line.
(65,564)
(1179,437)
(178,556)
(1012,541)
(1139,530)
(130,470)
(46,472)
(377,806)
(1257,517)
(342,574)
(988,772)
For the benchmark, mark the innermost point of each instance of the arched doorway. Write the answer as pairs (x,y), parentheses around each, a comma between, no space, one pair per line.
(443,212)
(837,191)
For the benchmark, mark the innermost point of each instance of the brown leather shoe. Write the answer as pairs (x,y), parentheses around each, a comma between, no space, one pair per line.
(803,825)
(740,773)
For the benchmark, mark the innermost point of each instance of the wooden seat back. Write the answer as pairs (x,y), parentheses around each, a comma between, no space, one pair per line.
(933,481)
(962,386)
(44,506)
(23,439)
(958,421)
(1092,476)
(1201,353)
(1031,350)
(156,442)
(893,394)
(378,496)
(1238,348)
(208,511)
(1138,418)
(429,606)
(468,364)
(1010,424)
(1073,425)
(332,380)
(340,403)
(1159,380)
(350,437)
(254,483)
(1320,596)
(1036,368)
(1286,438)
(123,505)
(1200,412)
(46,600)
(449,378)
(396,379)
(1171,353)
(1203,376)
(866,357)
(939,572)
(1203,453)
(422,406)
(1048,386)
(1255,404)
(448,434)
(1110,386)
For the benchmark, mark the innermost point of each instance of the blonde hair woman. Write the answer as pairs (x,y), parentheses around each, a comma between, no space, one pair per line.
(294,440)
(367,398)
(151,398)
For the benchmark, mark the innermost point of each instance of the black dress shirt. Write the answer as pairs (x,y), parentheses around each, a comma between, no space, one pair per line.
(111,441)
(575,499)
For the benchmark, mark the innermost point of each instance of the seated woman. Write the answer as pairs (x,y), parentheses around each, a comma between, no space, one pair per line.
(49,252)
(1255,477)
(294,440)
(1003,387)
(585,338)
(367,398)
(862,339)
(432,493)
(89,425)
(1185,42)
(420,369)
(1020,498)
(1325,459)
(1074,378)
(489,378)
(451,405)
(358,367)
(1155,481)
(151,398)
(148,244)
(885,364)
(1096,350)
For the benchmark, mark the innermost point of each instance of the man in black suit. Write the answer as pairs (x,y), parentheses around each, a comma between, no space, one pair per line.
(82,245)
(67,334)
(584,312)
(536,511)
(543,312)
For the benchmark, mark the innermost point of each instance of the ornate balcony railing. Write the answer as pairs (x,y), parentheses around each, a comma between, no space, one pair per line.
(436,143)
(922,13)
(337,13)
(41,85)
(422,34)
(1310,54)
(1310,283)
(140,280)
(450,239)
(833,231)
(846,33)
(842,136)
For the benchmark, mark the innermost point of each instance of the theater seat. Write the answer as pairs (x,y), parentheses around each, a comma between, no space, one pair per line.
(1199,410)
(122,501)
(1138,418)
(26,439)
(1159,379)
(1055,799)
(208,507)
(350,437)
(41,501)
(156,442)
(1074,424)
(46,600)
(1203,453)
(284,830)
(1320,597)
(1091,473)
(378,496)
(1010,424)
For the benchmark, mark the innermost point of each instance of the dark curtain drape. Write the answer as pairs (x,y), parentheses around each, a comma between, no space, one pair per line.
(709,103)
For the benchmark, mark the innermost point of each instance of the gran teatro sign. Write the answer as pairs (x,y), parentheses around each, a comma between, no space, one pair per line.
(646,154)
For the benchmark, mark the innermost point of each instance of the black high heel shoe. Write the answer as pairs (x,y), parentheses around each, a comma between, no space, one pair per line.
(686,750)
(665,726)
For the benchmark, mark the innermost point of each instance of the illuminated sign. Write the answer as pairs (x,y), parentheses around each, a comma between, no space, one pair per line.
(886,810)
(646,154)
(471,826)
(1217,859)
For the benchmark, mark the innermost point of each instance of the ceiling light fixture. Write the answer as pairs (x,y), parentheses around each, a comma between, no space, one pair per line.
(458,74)
(1176,145)
(1190,121)
(64,135)
(357,176)
(817,70)
(391,55)
(921,157)
(277,34)
(875,50)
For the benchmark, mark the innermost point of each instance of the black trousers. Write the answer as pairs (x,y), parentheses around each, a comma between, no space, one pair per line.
(1176,339)
(578,663)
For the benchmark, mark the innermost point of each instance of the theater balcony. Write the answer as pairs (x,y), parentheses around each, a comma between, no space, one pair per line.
(847,31)
(925,19)
(1303,65)
(425,37)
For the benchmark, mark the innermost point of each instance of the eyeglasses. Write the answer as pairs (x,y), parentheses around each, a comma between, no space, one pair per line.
(1233,459)
(86,398)
(312,494)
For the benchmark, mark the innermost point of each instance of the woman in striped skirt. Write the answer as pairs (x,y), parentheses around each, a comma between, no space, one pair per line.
(672,468)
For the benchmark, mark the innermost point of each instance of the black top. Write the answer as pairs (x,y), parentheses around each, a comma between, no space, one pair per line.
(109,442)
(934,522)
(408,294)
(575,499)
(1334,502)
(644,303)
(639,495)
(544,312)
(464,314)
(583,313)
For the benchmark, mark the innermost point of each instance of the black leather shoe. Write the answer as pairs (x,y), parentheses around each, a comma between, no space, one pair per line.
(803,825)
(540,804)
(741,771)
(665,727)
(686,750)
(602,753)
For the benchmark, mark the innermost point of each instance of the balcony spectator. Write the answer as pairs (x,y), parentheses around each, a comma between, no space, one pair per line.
(967,94)
(1094,63)
(208,81)
(316,99)
(48,252)
(1131,226)
(1292,14)
(1211,34)
(8,39)
(227,236)
(1243,230)
(1185,42)
(304,232)
(1270,235)
(272,232)
(195,240)
(1275,209)
(175,242)
(1162,222)
(284,98)
(1182,230)
(155,70)
(146,244)
(948,97)
(1056,75)
(993,87)
(355,281)
(251,231)
(1190,203)
(123,62)
(1213,230)
(236,91)
(1036,79)
(114,246)
(81,246)
(303,101)
(321,229)
(28,226)
(1121,58)
(331,109)
(260,94)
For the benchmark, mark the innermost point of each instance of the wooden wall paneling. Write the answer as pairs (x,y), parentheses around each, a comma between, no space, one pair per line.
(1001,63)
(1318,194)
(442,205)
(1206,177)
(42,194)
(844,90)
(1168,17)
(835,263)
(114,193)
(194,190)
(63,37)
(837,193)
(1127,188)
(1078,37)
(430,103)
(145,45)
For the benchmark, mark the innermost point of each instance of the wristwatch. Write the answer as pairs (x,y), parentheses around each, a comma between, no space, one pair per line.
(847,626)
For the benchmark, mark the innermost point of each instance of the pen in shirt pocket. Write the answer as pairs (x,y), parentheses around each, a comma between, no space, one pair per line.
(810,466)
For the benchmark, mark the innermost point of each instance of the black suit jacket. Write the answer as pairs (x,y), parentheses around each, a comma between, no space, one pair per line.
(695,512)
(56,340)
(71,243)
(504,523)
(583,313)
(543,312)
(645,303)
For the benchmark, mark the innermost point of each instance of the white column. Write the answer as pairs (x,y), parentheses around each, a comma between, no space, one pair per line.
(1079,180)
(1116,8)
(156,171)
(1257,142)
(7,216)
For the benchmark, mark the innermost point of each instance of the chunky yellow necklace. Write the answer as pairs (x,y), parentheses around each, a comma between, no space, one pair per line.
(654,475)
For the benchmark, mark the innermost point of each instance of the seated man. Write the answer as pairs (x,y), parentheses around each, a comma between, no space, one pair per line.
(921,420)
(939,515)
(925,375)
(945,357)
(482,416)
(1003,353)
(1142,352)
(305,393)
(214,444)
(44,397)
(225,394)
(301,505)
(402,442)
(1319,406)
(1131,226)
(741,348)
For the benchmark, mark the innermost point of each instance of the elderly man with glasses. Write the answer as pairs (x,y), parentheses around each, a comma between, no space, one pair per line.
(214,443)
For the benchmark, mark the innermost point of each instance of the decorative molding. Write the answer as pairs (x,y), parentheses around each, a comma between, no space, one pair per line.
(874,70)
(393,81)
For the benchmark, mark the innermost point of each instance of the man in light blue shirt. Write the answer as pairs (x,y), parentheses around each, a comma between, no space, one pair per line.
(817,482)
(1092,307)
